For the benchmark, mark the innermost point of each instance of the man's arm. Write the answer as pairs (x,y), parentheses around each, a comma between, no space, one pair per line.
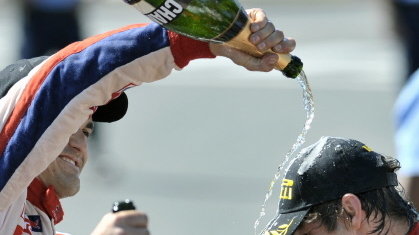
(42,110)
(45,108)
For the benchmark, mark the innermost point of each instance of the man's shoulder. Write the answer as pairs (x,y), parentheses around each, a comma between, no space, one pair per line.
(16,71)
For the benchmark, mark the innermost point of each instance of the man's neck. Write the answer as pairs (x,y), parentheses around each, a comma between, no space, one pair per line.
(397,227)
(46,199)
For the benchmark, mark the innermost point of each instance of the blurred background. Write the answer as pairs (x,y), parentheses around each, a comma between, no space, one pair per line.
(197,151)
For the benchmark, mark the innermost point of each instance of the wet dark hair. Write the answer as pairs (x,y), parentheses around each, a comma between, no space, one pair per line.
(378,205)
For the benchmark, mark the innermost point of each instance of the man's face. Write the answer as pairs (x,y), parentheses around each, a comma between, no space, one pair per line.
(64,172)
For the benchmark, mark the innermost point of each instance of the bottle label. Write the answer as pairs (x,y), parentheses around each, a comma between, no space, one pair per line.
(164,14)
(207,20)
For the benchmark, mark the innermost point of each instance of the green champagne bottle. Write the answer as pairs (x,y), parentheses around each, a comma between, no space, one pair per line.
(222,21)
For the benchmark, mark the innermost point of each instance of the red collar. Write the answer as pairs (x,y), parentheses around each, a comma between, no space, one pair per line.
(46,199)
(415,230)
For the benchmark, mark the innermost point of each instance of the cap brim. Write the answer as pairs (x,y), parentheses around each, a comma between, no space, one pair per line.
(112,111)
(286,224)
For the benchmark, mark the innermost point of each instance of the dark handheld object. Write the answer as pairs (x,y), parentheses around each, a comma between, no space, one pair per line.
(123,205)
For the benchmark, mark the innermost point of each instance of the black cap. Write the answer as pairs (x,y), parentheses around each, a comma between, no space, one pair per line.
(110,112)
(325,171)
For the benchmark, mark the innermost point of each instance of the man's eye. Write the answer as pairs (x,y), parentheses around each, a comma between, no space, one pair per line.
(86,133)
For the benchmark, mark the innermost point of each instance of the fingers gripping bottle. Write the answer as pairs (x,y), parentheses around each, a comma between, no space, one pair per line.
(222,21)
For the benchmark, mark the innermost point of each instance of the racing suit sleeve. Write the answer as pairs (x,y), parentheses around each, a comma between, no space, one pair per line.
(41,111)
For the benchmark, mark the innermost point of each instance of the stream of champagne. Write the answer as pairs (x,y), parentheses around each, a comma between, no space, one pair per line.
(309,108)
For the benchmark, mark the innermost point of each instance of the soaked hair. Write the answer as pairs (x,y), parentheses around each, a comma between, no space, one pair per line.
(379,205)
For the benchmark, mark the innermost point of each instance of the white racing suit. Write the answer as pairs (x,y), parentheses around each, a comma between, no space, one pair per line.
(41,111)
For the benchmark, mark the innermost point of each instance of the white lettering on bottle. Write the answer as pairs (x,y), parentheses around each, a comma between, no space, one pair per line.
(173,6)
(158,18)
(166,12)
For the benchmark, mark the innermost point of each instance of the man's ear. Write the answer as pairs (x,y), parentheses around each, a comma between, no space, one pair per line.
(352,205)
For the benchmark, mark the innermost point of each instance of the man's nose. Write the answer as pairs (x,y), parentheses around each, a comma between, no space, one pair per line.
(78,141)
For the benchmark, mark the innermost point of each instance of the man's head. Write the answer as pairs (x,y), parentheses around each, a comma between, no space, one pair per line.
(336,183)
(64,172)
(65,178)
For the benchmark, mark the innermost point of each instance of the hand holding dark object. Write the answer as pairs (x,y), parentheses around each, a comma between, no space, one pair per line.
(124,219)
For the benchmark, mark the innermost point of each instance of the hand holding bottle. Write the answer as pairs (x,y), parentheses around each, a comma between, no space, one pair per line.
(264,36)
(225,21)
